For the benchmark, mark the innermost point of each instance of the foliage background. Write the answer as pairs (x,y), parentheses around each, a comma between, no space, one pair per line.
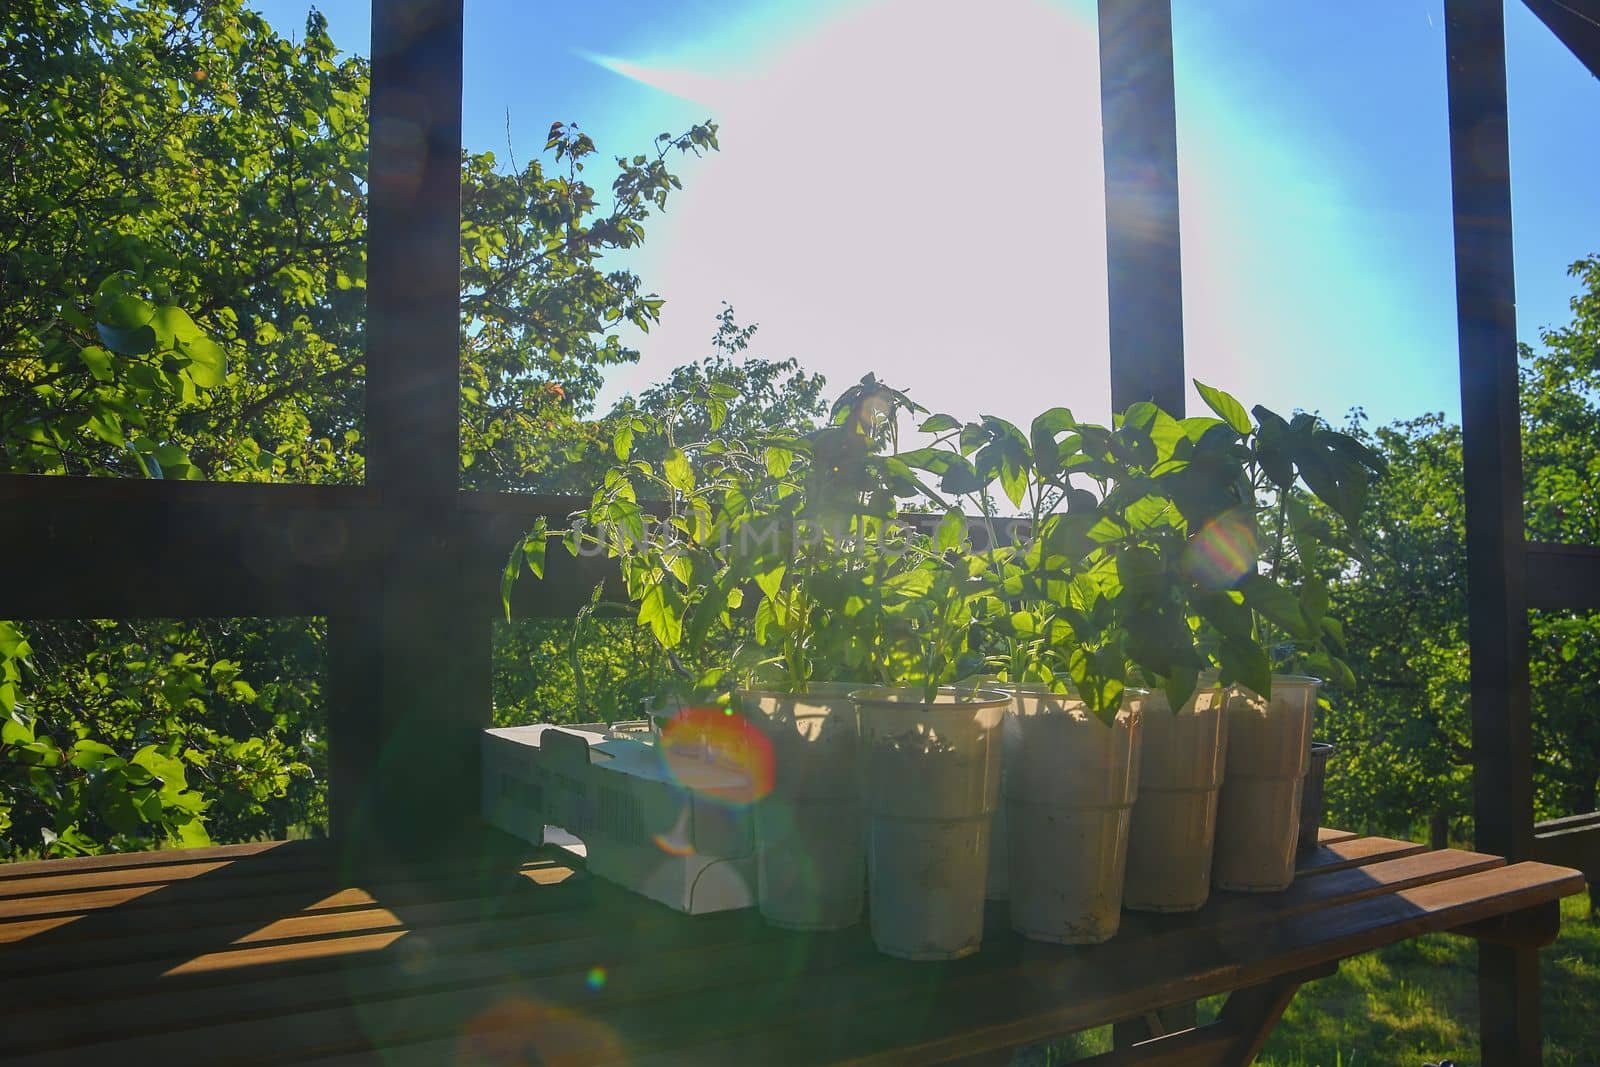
(1405,760)
(183,296)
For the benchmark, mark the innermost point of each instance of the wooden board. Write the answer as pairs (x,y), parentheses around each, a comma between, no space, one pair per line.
(246,957)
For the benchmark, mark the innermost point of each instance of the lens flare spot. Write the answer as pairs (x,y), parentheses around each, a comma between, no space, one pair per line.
(595,979)
(1222,552)
(676,841)
(717,753)
(522,1032)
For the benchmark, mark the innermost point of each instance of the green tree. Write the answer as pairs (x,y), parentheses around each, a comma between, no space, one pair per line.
(182,295)
(1406,732)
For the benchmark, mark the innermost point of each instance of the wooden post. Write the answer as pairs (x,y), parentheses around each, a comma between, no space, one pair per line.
(1139,121)
(1576,23)
(408,686)
(1143,265)
(1480,170)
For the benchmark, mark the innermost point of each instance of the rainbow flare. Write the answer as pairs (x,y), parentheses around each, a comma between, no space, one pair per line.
(717,753)
(1222,552)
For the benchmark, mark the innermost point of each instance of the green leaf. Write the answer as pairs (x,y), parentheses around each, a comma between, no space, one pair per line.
(661,609)
(1314,601)
(173,325)
(1099,678)
(1013,477)
(533,547)
(771,581)
(939,424)
(192,834)
(951,531)
(12,644)
(208,363)
(1042,436)
(108,428)
(1274,602)
(1228,615)
(123,311)
(88,755)
(14,731)
(1272,448)
(778,460)
(1197,426)
(1343,676)
(1334,629)
(681,567)
(1179,687)
(168,768)
(1142,573)
(530,553)
(910,584)
(1227,408)
(1246,662)
(1167,433)
(628,518)
(130,342)
(170,456)
(622,441)
(99,362)
(679,474)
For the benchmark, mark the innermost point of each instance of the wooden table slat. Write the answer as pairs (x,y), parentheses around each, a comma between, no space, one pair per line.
(194,893)
(742,962)
(525,931)
(1353,851)
(992,1015)
(114,937)
(312,852)
(277,966)
(104,938)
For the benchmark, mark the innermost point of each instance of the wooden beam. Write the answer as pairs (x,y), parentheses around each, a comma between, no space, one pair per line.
(412,691)
(1491,430)
(1480,171)
(414,248)
(116,548)
(1563,577)
(220,549)
(1138,115)
(1529,928)
(126,548)
(1576,23)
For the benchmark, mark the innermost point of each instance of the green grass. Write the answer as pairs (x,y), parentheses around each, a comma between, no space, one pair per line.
(1412,1003)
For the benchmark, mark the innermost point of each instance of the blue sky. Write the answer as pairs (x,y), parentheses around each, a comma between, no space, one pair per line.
(912,186)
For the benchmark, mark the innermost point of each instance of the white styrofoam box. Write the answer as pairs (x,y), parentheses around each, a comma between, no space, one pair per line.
(657,830)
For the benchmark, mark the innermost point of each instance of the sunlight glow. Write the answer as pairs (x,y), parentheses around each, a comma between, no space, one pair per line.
(912,188)
(916,188)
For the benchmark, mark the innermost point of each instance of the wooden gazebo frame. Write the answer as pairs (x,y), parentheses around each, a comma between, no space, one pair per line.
(406,567)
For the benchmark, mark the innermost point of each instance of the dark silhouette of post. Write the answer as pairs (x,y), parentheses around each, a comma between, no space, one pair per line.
(1497,606)
(409,667)
(1143,266)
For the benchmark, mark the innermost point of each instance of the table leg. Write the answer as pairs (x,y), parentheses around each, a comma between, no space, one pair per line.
(1162,1022)
(1252,1013)
(1508,1005)
(1246,1020)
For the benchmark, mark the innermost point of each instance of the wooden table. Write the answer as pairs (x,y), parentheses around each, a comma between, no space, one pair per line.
(262,954)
